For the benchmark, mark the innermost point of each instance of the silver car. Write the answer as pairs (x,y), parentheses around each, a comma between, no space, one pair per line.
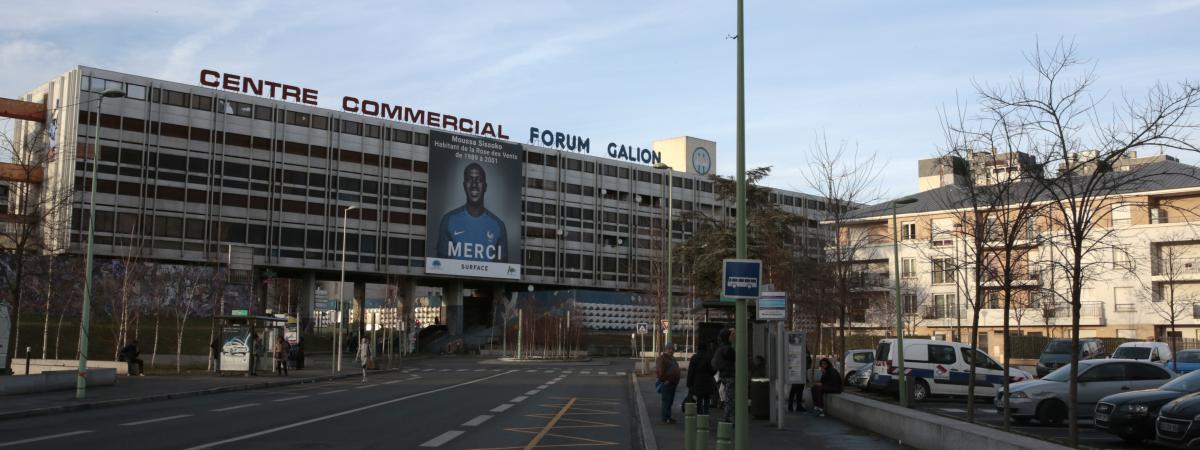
(857,360)
(1046,399)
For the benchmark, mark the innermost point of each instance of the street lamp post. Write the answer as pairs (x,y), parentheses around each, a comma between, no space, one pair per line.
(670,246)
(899,303)
(337,365)
(86,314)
(741,383)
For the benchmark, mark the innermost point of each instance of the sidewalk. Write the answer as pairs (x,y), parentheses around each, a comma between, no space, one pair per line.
(802,430)
(162,387)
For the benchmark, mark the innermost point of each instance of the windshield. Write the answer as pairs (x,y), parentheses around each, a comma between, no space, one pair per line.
(1186,384)
(1058,347)
(1064,372)
(1132,353)
(1189,357)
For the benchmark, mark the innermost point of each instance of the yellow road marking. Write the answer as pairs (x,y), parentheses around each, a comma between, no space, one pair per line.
(549,425)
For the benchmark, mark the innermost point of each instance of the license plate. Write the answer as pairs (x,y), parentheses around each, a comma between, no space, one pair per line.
(1169,427)
(1102,418)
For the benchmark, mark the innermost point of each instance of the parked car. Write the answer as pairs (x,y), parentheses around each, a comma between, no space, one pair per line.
(1177,424)
(939,368)
(1155,352)
(856,360)
(862,378)
(1131,415)
(1058,353)
(1184,362)
(1046,399)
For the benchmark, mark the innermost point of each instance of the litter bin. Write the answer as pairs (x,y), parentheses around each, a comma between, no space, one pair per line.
(760,402)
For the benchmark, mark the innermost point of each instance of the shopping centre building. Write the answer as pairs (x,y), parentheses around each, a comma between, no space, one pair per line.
(252,174)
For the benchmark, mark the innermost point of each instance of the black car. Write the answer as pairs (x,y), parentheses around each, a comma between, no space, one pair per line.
(1176,419)
(1131,415)
(1058,353)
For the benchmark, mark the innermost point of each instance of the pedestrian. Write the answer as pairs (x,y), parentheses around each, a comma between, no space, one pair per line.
(280,352)
(215,348)
(364,357)
(724,362)
(830,382)
(796,393)
(700,382)
(129,354)
(667,370)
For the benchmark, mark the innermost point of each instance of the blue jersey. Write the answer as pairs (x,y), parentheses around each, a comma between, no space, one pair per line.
(466,237)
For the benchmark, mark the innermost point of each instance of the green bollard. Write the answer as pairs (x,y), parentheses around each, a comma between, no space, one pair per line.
(689,426)
(701,432)
(724,436)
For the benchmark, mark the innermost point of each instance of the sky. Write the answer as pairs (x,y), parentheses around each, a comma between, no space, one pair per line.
(870,75)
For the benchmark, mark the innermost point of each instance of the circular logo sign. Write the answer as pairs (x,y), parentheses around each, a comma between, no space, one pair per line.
(701,161)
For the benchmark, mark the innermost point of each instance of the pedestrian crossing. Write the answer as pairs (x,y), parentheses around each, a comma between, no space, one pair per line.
(583,372)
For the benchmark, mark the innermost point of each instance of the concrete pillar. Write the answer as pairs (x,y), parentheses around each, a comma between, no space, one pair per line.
(498,298)
(453,297)
(360,294)
(308,286)
(408,304)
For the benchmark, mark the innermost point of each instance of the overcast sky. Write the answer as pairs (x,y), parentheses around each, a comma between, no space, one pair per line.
(869,73)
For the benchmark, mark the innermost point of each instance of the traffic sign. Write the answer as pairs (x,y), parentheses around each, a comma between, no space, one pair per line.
(643,328)
(740,278)
(240,312)
(772,306)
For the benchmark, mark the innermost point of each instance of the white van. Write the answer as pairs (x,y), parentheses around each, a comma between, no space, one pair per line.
(1155,352)
(940,368)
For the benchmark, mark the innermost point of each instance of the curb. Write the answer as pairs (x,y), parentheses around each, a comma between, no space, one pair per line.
(648,440)
(173,395)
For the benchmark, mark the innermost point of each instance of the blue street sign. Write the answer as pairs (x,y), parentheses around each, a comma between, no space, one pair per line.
(740,278)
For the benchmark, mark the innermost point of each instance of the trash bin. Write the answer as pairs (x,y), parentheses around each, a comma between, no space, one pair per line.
(760,402)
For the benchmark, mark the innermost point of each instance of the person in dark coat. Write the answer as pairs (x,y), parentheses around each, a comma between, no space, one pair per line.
(724,361)
(700,379)
(667,371)
(830,383)
(215,348)
(129,354)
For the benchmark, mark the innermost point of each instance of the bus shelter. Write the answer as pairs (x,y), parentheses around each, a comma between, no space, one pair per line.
(245,342)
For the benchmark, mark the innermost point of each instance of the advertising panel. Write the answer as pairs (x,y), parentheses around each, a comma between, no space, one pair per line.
(474,207)
(796,358)
(235,348)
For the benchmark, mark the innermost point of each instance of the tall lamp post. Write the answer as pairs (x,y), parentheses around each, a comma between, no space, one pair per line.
(86,314)
(670,245)
(741,382)
(337,366)
(899,302)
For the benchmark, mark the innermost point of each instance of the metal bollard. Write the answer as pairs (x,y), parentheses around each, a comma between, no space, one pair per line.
(701,432)
(689,426)
(724,436)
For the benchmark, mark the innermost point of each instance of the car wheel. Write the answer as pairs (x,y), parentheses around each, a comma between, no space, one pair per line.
(849,378)
(1052,412)
(1021,420)
(920,391)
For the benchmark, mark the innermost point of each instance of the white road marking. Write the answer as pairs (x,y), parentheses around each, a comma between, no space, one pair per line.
(605,372)
(533,392)
(445,370)
(231,408)
(519,399)
(502,408)
(480,370)
(444,438)
(332,392)
(586,372)
(464,370)
(953,410)
(393,381)
(621,373)
(160,419)
(367,386)
(43,438)
(291,398)
(339,414)
(478,420)
(543,386)
(551,371)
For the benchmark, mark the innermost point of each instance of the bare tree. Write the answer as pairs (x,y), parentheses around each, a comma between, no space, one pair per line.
(1078,151)
(844,178)
(28,221)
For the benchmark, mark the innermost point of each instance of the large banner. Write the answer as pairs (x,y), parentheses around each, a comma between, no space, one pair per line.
(474,207)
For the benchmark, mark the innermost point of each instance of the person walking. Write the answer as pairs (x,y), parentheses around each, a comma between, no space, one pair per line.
(668,372)
(830,382)
(796,393)
(129,354)
(215,348)
(364,357)
(700,382)
(281,353)
(724,362)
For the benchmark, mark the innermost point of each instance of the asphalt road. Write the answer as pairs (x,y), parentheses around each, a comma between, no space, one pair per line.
(451,404)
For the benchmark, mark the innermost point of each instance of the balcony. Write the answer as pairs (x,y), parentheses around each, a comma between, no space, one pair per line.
(1182,268)
(1090,314)
(870,281)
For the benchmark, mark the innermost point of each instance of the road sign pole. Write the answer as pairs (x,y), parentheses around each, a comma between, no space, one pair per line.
(741,381)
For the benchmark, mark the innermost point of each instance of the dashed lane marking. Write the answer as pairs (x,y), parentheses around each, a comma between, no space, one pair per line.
(621,373)
(231,408)
(160,419)
(443,438)
(519,399)
(533,392)
(332,392)
(288,399)
(44,438)
(393,381)
(478,420)
(368,386)
(502,408)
